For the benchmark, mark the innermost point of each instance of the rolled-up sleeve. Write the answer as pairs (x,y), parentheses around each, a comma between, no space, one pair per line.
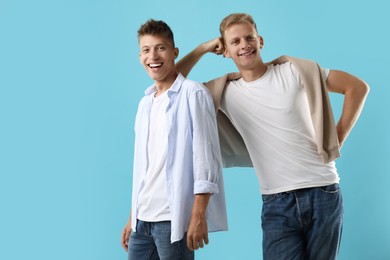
(207,165)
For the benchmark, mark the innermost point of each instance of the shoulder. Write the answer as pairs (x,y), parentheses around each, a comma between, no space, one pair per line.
(192,83)
(191,86)
(306,66)
(282,66)
(286,68)
(142,102)
(300,63)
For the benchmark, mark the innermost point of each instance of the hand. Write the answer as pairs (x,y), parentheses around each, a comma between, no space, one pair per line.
(197,235)
(125,236)
(215,46)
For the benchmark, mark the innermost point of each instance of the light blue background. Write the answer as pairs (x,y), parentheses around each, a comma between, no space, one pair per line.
(70,81)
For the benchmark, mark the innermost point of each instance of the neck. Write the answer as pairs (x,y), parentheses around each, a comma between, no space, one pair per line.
(254,73)
(165,84)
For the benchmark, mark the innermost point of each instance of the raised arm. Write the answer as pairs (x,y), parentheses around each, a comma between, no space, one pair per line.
(185,65)
(355,92)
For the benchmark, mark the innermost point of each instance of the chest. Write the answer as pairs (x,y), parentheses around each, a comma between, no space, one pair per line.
(277,101)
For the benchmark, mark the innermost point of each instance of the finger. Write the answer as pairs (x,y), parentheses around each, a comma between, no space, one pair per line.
(127,235)
(123,239)
(127,241)
(201,245)
(218,50)
(195,244)
(189,243)
(124,245)
(206,239)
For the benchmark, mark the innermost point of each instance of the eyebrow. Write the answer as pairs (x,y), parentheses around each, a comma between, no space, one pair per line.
(157,45)
(234,39)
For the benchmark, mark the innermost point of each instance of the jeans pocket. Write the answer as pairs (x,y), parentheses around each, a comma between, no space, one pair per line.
(331,189)
(268,198)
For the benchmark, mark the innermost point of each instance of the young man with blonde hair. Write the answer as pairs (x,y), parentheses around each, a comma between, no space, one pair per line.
(178,194)
(277,117)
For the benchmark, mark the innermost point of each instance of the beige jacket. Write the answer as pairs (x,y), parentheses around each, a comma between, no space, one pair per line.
(233,149)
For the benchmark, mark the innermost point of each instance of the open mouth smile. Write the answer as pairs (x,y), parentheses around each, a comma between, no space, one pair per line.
(155,65)
(248,53)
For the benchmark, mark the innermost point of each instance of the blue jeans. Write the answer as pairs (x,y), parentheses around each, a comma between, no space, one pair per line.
(303,224)
(153,241)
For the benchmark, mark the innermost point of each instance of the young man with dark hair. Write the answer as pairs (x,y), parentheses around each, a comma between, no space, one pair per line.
(178,194)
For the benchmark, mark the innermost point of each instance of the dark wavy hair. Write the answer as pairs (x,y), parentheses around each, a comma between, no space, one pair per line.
(155,27)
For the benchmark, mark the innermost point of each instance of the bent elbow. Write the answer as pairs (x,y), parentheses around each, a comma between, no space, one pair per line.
(365,88)
(361,88)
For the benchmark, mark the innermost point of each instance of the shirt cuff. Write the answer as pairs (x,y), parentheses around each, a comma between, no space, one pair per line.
(205,187)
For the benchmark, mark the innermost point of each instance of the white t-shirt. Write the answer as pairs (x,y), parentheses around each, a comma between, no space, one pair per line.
(153,197)
(272,115)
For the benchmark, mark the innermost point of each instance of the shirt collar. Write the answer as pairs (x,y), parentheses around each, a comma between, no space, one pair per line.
(174,88)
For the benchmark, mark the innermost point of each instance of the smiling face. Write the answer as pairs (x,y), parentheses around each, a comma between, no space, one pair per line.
(243,44)
(157,55)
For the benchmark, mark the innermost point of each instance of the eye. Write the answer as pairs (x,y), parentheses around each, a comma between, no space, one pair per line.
(144,51)
(235,42)
(161,48)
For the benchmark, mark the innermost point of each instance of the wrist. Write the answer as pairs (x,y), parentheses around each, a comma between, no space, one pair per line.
(200,204)
(203,49)
(199,211)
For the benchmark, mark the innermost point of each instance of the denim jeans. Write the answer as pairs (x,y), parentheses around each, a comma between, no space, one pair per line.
(153,241)
(303,224)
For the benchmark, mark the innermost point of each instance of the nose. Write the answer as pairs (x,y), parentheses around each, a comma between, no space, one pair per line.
(244,44)
(153,54)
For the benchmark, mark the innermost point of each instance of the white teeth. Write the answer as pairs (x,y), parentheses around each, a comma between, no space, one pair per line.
(155,65)
(246,53)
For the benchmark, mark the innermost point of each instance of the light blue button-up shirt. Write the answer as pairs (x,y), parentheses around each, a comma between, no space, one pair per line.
(193,158)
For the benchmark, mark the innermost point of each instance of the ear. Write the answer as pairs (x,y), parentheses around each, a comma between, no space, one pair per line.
(261,42)
(226,53)
(176,52)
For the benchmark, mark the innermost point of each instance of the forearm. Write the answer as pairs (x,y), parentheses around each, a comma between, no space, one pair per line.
(355,92)
(353,104)
(185,65)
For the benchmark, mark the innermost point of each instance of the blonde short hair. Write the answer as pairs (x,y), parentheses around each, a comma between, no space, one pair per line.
(235,18)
